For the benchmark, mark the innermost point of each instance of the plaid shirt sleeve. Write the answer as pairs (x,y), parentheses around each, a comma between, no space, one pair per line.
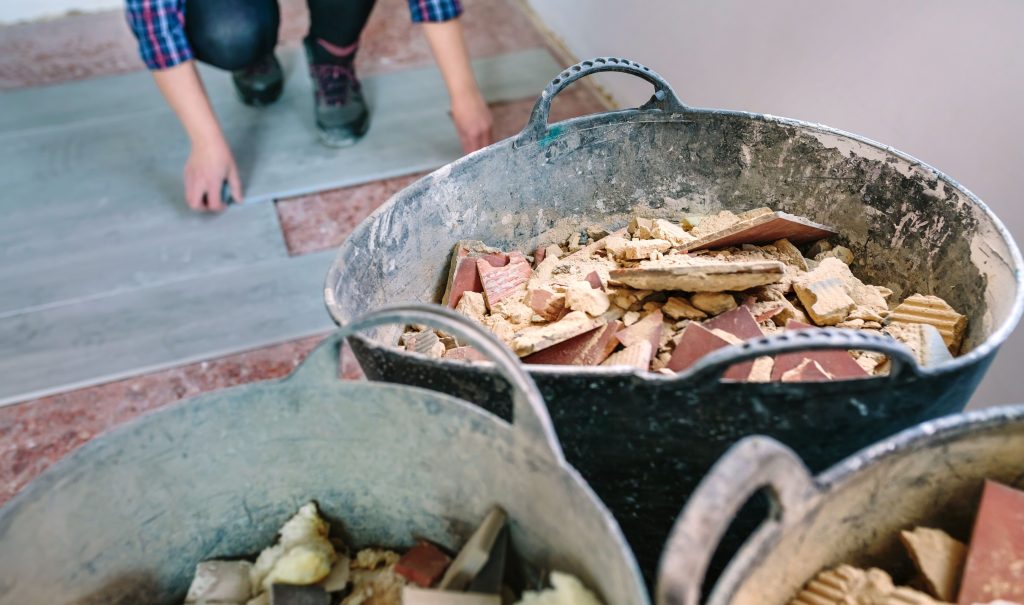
(159,26)
(434,10)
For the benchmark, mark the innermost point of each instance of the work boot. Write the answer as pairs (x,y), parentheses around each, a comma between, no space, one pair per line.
(261,83)
(342,117)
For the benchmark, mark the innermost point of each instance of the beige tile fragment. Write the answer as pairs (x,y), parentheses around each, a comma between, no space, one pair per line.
(938,557)
(641,228)
(847,585)
(670,232)
(679,273)
(631,317)
(680,308)
(790,254)
(761,371)
(713,303)
(640,249)
(533,339)
(714,223)
(842,253)
(637,355)
(515,311)
(596,232)
(825,300)
(580,296)
(934,311)
(472,305)
(923,340)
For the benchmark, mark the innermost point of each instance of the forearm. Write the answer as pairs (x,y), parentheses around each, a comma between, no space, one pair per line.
(449,48)
(184,92)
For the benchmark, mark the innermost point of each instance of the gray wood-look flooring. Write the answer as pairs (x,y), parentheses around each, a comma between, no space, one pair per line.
(104,273)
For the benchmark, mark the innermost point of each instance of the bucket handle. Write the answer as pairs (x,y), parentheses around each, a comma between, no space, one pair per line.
(714,364)
(530,416)
(751,464)
(664,97)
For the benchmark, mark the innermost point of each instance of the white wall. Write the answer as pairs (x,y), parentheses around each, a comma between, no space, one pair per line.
(12,11)
(940,79)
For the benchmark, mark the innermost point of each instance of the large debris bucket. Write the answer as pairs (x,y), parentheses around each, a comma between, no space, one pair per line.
(643,440)
(930,475)
(126,517)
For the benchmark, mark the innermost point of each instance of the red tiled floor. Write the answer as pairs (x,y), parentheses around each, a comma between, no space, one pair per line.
(97,44)
(35,434)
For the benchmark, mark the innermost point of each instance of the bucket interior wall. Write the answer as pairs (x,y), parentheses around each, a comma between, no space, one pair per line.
(909,229)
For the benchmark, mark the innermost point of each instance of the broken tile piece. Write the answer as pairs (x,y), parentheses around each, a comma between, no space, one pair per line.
(825,292)
(934,311)
(637,355)
(462,271)
(594,279)
(680,308)
(847,585)
(589,348)
(739,322)
(995,558)
(714,223)
(647,329)
(761,371)
(923,340)
(500,283)
(596,246)
(640,228)
(425,343)
(938,557)
(838,364)
(472,305)
(760,228)
(549,305)
(791,254)
(422,564)
(699,275)
(475,553)
(807,370)
(535,339)
(696,342)
(713,303)
(581,296)
(670,232)
(639,249)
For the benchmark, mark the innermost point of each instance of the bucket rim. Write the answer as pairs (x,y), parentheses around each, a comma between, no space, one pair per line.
(984,349)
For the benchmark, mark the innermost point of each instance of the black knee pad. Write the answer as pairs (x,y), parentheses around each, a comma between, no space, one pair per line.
(231,34)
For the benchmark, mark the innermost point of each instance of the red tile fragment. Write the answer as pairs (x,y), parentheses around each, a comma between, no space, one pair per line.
(837,364)
(466,278)
(423,564)
(501,282)
(698,341)
(649,328)
(995,559)
(807,370)
(539,254)
(595,280)
(589,348)
(739,322)
(546,304)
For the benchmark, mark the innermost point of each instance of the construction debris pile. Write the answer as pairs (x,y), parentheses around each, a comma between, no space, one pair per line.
(308,566)
(990,571)
(660,295)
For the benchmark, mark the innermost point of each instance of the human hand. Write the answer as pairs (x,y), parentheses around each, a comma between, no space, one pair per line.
(473,121)
(208,166)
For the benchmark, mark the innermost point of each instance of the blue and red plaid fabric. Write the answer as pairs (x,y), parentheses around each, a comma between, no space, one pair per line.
(159,26)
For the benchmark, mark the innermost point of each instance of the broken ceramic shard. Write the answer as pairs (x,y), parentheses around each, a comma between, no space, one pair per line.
(535,339)
(939,559)
(934,311)
(703,276)
(848,585)
(582,296)
(758,227)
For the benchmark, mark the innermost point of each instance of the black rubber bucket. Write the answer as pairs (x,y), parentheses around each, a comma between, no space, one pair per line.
(643,440)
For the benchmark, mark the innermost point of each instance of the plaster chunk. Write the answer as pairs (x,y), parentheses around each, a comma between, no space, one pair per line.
(713,303)
(580,296)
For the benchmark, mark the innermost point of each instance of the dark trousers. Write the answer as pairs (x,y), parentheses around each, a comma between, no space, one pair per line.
(234,34)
